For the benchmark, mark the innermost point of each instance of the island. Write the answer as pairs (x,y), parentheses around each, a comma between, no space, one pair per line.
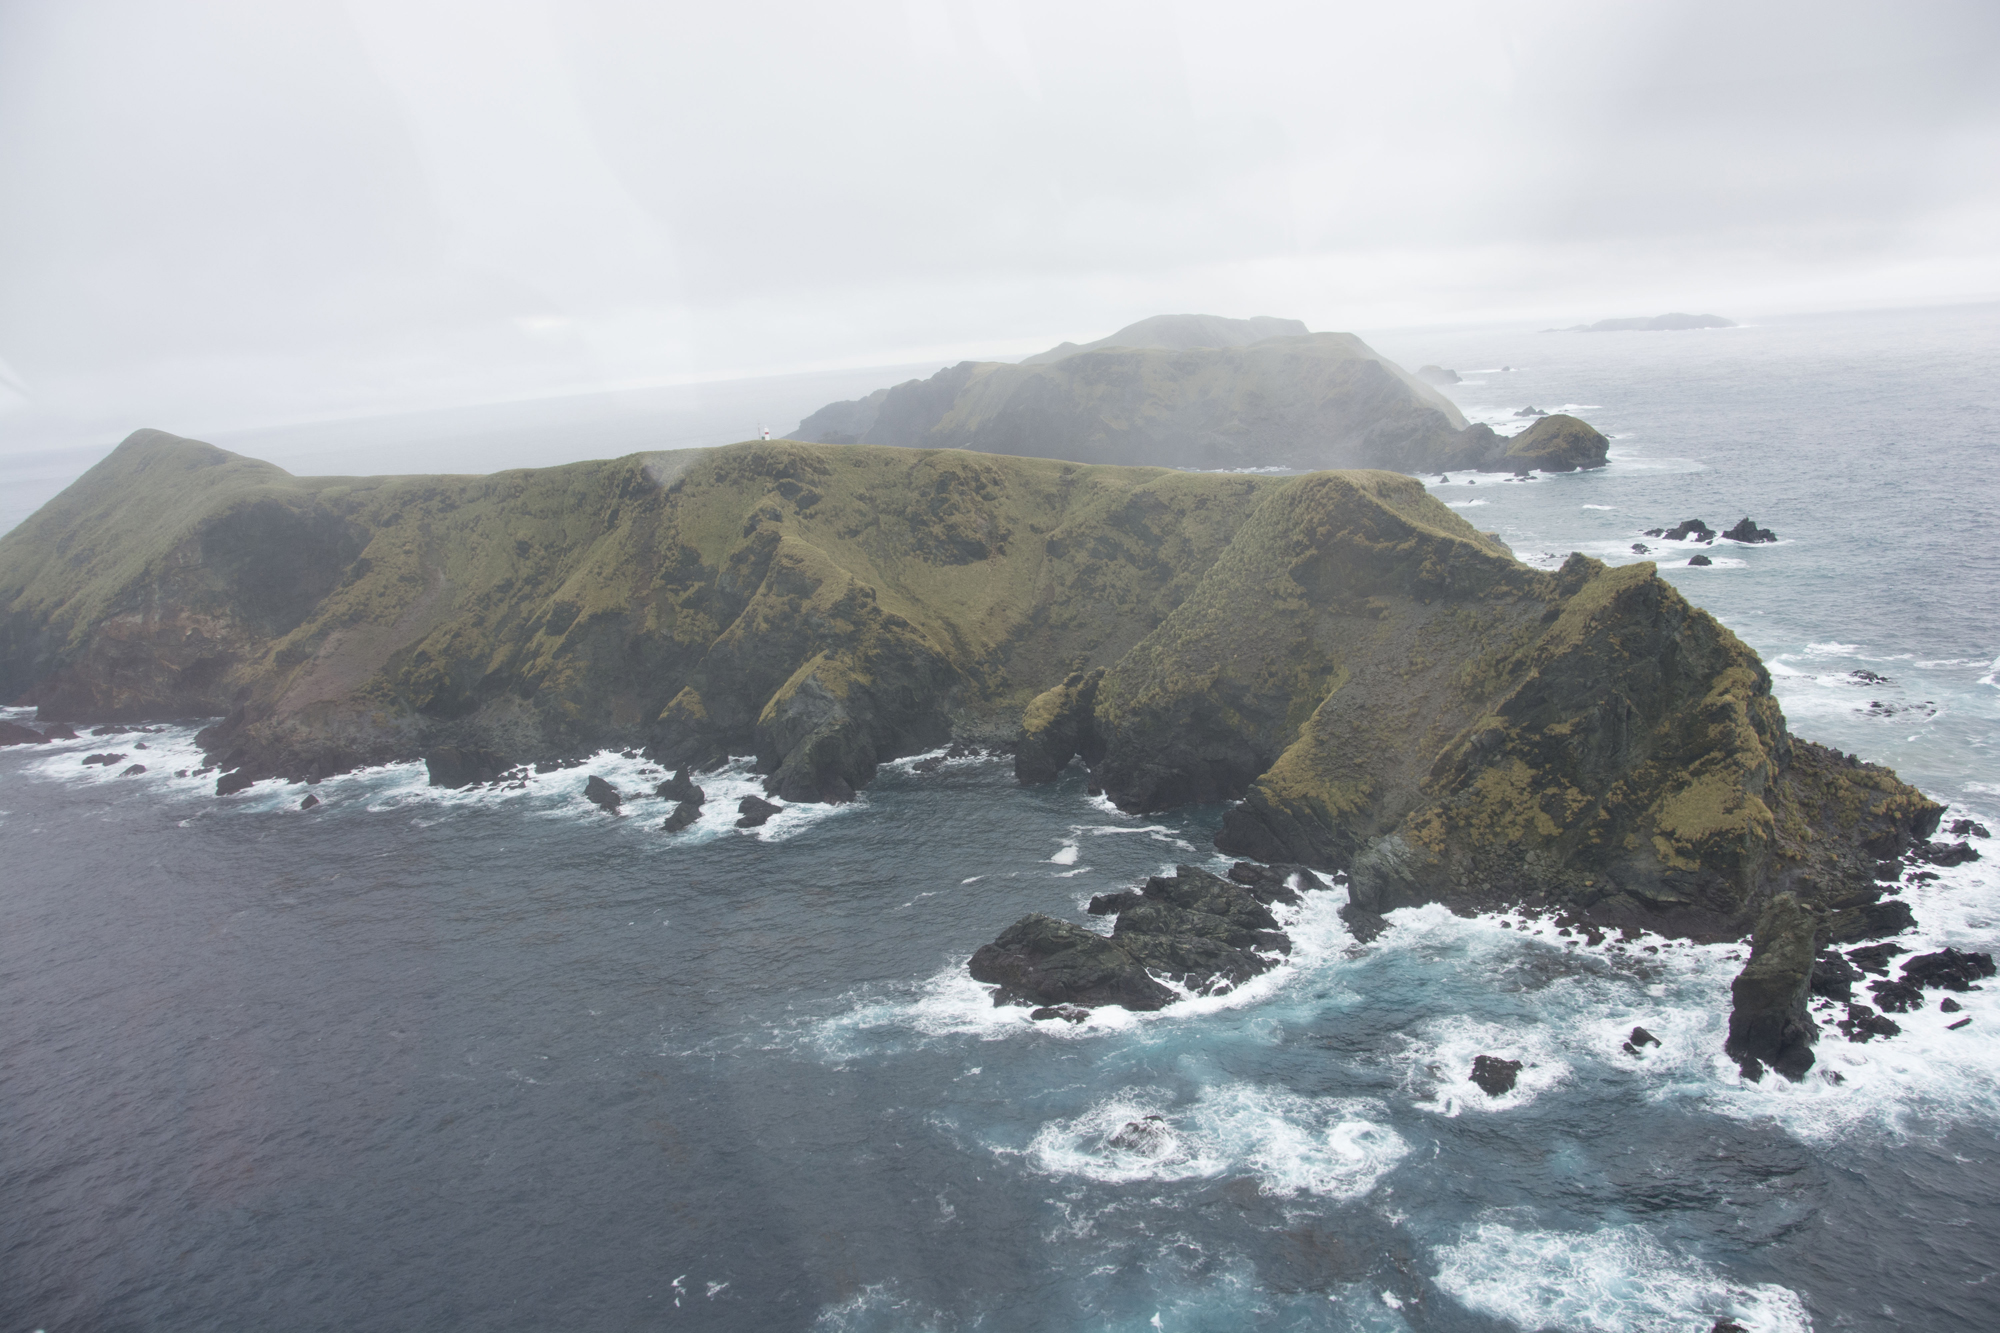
(1375,687)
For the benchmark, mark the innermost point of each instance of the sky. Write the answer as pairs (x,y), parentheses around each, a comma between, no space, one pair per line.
(218,213)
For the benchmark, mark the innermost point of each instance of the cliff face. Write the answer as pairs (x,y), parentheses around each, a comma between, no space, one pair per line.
(1294,400)
(1387,691)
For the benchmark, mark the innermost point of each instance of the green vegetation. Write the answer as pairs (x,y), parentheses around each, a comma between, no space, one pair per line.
(1386,689)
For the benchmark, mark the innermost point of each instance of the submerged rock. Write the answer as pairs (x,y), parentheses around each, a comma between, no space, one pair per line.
(755,812)
(1768,1021)
(1195,930)
(1494,1075)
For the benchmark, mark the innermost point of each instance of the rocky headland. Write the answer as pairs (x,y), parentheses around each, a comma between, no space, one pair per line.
(1377,687)
(1199,391)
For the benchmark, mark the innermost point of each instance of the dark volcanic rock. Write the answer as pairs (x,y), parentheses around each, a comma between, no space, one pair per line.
(1948,969)
(133,771)
(13,733)
(1833,976)
(1699,559)
(231,783)
(1748,533)
(107,760)
(1058,725)
(599,792)
(1768,1022)
(1532,411)
(1495,1076)
(680,787)
(684,814)
(755,812)
(1273,884)
(1684,530)
(1639,1040)
(1962,828)
(462,766)
(1640,548)
(1945,853)
(1196,930)
(1042,961)
(1897,997)
(309,802)
(1868,921)
(1874,958)
(1864,1024)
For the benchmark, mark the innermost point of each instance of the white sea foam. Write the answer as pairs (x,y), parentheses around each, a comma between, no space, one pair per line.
(1324,1146)
(1615,1280)
(1464,504)
(1600,506)
(1066,855)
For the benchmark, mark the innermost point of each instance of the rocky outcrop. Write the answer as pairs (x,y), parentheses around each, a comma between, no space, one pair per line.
(1768,1021)
(463,766)
(1557,442)
(1749,533)
(603,795)
(1671,322)
(754,812)
(1437,375)
(1191,933)
(1057,726)
(1494,1076)
(13,733)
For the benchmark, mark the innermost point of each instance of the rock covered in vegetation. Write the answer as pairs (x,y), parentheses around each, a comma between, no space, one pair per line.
(1557,442)
(1768,1020)
(1189,932)
(1385,689)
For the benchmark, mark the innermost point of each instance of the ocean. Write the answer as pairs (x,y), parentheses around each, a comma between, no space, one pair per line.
(500,1060)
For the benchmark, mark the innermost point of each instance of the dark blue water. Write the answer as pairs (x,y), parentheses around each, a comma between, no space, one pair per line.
(427,1060)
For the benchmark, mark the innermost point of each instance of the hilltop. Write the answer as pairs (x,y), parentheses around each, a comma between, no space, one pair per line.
(1192,391)
(1384,689)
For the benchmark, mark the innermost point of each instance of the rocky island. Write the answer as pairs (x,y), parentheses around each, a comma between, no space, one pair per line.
(1201,391)
(1377,687)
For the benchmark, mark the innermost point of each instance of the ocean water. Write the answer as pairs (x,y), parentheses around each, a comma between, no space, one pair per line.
(418,1059)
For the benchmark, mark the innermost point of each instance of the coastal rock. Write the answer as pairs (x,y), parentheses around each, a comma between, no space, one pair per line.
(1673,321)
(106,760)
(1833,976)
(680,787)
(1747,532)
(601,793)
(231,783)
(1692,529)
(1948,969)
(1945,853)
(1863,1024)
(1639,1041)
(684,814)
(460,766)
(1699,559)
(1057,726)
(1042,961)
(1873,959)
(1556,443)
(1532,412)
(755,812)
(1495,1076)
(1197,931)
(134,771)
(1437,375)
(1966,828)
(59,731)
(1897,997)
(309,802)
(13,733)
(1768,1021)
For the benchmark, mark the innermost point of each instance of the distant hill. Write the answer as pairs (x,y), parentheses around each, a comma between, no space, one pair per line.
(1180,332)
(1672,321)
(1186,391)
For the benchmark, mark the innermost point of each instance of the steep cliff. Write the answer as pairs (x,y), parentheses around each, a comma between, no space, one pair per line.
(1383,689)
(1188,391)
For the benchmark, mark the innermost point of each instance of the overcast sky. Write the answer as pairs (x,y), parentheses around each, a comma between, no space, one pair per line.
(240,211)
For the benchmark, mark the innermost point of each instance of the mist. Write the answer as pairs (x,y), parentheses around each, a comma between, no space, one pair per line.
(222,215)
